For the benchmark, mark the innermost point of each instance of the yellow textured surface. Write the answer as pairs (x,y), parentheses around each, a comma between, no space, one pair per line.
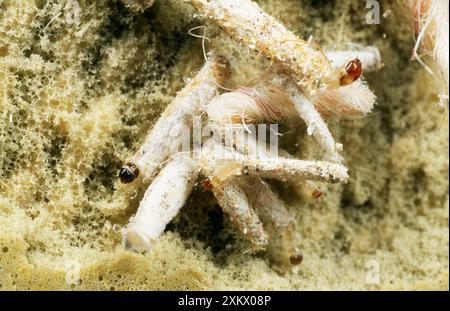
(77,99)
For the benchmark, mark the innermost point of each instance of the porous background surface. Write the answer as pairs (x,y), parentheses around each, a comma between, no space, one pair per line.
(76,99)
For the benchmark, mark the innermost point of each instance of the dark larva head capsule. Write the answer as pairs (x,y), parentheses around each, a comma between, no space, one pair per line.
(296,257)
(317,193)
(353,70)
(128,173)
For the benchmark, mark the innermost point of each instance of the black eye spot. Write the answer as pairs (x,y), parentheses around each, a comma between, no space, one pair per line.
(128,173)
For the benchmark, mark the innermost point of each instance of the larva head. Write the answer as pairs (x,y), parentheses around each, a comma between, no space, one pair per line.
(296,259)
(352,98)
(220,67)
(353,70)
(317,193)
(206,184)
(128,173)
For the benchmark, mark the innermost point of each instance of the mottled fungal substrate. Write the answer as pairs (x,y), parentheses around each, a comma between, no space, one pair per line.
(138,5)
(165,137)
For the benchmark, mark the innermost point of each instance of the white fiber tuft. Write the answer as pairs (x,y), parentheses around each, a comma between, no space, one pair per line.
(347,101)
(250,106)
